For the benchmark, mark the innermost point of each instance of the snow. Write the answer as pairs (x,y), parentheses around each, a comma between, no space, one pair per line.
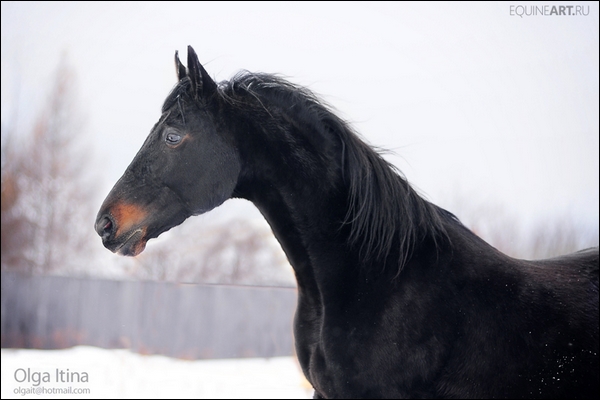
(124,374)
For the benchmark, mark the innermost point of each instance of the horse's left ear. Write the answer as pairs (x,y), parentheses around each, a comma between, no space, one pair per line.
(202,83)
(181,73)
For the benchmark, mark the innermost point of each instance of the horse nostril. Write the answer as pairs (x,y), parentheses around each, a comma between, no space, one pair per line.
(105,227)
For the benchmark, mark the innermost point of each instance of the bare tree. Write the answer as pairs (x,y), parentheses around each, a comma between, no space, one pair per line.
(46,202)
(234,251)
(543,239)
(15,226)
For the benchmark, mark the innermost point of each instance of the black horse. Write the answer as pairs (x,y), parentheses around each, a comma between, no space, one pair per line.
(396,298)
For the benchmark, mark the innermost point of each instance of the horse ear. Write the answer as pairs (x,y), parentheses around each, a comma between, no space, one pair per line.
(181,73)
(202,83)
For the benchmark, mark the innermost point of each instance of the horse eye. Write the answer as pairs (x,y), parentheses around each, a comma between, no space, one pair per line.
(173,138)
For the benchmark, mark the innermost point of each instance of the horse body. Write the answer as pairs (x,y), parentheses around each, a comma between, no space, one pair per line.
(455,324)
(396,298)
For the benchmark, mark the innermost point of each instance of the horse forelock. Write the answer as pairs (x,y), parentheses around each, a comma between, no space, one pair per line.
(181,89)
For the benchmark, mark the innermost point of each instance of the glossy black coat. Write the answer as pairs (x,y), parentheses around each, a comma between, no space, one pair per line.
(396,298)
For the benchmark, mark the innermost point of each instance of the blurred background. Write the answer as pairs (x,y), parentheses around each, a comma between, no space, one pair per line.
(489,109)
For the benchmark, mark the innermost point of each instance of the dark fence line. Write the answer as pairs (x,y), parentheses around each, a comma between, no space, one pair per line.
(190,321)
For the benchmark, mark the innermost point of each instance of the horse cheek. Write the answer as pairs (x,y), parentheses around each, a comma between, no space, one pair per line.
(213,186)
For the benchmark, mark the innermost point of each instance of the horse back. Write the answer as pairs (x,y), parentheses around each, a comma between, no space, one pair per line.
(525,328)
(587,260)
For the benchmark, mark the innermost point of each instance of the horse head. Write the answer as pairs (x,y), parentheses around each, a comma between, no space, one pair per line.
(186,166)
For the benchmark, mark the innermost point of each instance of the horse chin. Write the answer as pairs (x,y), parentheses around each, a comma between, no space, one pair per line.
(133,245)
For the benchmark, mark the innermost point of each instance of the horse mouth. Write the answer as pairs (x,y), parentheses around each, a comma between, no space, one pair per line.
(133,245)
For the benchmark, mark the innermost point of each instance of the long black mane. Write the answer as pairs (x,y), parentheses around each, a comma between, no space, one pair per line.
(382,204)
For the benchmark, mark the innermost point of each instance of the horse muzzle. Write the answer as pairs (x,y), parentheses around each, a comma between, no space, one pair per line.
(121,227)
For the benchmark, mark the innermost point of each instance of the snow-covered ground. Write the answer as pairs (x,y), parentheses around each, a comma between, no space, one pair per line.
(105,373)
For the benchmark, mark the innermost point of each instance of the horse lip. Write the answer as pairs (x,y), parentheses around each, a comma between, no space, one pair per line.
(133,245)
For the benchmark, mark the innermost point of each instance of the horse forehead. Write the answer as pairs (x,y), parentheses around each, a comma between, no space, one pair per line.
(177,115)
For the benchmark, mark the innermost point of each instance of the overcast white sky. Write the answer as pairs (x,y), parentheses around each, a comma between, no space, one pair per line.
(478,104)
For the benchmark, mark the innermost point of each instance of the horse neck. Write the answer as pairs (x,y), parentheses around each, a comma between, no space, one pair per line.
(296,182)
(334,204)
